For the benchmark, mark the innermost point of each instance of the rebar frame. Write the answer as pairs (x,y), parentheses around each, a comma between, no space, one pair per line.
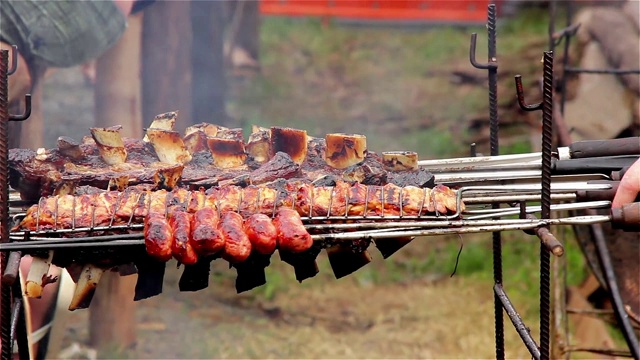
(12,316)
(501,300)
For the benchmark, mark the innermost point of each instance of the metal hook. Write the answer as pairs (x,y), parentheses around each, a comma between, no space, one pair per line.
(491,30)
(14,60)
(27,110)
(472,56)
(520,93)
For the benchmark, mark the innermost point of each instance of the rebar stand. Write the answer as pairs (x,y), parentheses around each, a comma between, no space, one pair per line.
(12,316)
(6,298)
(548,241)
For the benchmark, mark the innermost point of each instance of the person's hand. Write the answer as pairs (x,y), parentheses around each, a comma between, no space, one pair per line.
(629,186)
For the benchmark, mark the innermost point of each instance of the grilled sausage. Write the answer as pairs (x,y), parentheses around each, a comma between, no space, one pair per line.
(207,239)
(237,246)
(158,237)
(262,233)
(182,247)
(292,235)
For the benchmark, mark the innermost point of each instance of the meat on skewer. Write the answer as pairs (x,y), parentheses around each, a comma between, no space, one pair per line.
(292,235)
(112,207)
(237,247)
(182,247)
(207,239)
(262,233)
(158,237)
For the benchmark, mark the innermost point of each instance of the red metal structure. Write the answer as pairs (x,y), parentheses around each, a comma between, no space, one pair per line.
(427,11)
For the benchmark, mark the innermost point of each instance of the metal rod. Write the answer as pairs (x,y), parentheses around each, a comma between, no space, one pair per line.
(458,223)
(545,258)
(490,213)
(521,328)
(492,67)
(463,162)
(514,198)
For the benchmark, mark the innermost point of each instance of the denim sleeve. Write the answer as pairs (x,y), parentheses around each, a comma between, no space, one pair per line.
(61,33)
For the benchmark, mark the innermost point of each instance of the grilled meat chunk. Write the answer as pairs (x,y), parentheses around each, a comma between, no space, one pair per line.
(292,235)
(158,237)
(237,247)
(182,247)
(206,237)
(262,233)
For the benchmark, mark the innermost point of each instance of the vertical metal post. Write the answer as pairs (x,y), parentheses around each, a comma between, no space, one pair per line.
(545,257)
(495,150)
(5,291)
(492,67)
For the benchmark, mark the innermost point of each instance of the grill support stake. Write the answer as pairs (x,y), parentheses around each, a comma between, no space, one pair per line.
(5,291)
(492,68)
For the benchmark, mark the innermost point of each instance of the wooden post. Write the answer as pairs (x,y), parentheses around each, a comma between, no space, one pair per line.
(117,98)
(207,62)
(166,66)
(118,85)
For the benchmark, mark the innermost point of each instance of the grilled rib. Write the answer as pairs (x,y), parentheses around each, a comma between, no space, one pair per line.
(202,158)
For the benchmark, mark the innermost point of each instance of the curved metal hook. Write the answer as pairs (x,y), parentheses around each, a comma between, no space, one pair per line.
(27,110)
(472,55)
(14,60)
(520,93)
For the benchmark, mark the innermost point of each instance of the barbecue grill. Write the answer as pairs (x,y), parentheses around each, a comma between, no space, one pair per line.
(491,194)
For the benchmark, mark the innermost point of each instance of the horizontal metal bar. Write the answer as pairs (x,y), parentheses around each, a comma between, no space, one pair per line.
(466,162)
(486,175)
(513,198)
(491,213)
(453,231)
(456,223)
(497,181)
(534,187)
